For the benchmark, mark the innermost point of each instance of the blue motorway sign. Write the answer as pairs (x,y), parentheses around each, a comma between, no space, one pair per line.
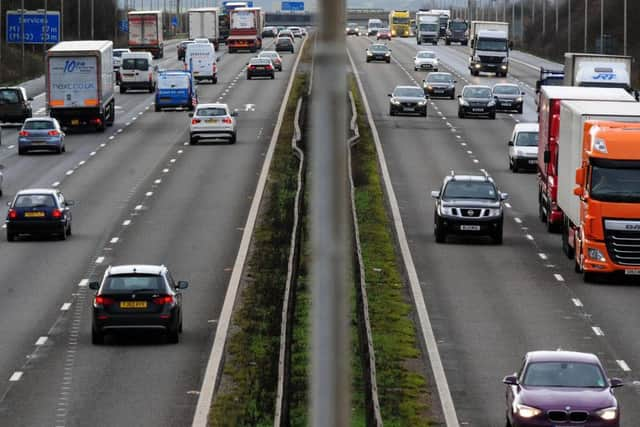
(33,27)
(174,21)
(292,6)
(123,25)
(224,3)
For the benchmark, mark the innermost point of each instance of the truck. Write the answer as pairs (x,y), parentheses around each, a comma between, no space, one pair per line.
(245,29)
(599,186)
(79,83)
(146,32)
(399,23)
(457,31)
(427,28)
(586,69)
(489,47)
(223,18)
(204,24)
(549,118)
(444,16)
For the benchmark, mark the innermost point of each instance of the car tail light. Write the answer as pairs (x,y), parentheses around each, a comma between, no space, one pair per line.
(54,133)
(252,67)
(165,299)
(102,301)
(269,67)
(13,214)
(215,67)
(195,121)
(150,77)
(227,120)
(56,213)
(23,133)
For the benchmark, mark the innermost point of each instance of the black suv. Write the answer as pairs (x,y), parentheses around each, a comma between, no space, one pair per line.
(15,105)
(468,204)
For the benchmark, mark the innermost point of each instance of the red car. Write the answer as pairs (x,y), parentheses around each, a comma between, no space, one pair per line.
(383,34)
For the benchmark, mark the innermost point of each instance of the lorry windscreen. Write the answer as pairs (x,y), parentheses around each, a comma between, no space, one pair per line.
(492,45)
(458,26)
(401,21)
(428,27)
(615,181)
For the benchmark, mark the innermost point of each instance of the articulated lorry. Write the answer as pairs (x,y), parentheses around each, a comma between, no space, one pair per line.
(457,31)
(399,23)
(599,186)
(586,69)
(444,16)
(549,118)
(79,83)
(427,27)
(146,32)
(245,29)
(489,48)
(204,24)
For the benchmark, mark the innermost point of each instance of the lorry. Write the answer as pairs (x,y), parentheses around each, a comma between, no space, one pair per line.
(427,28)
(204,24)
(586,69)
(223,18)
(489,47)
(245,29)
(599,186)
(399,23)
(79,82)
(457,31)
(146,32)
(549,119)
(444,16)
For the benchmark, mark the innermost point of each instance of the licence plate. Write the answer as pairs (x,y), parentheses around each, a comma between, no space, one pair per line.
(634,272)
(408,109)
(34,214)
(478,110)
(38,142)
(533,162)
(438,91)
(75,122)
(133,304)
(506,104)
(211,121)
(470,227)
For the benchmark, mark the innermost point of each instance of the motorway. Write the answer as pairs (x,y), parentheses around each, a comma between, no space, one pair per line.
(142,196)
(490,304)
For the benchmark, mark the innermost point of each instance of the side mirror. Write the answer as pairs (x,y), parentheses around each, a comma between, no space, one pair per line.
(94,285)
(510,144)
(70,202)
(580,177)
(504,196)
(29,99)
(389,95)
(182,285)
(8,203)
(511,45)
(455,81)
(522,93)
(510,380)
(615,382)
(578,191)
(459,96)
(495,97)
(435,194)
(547,156)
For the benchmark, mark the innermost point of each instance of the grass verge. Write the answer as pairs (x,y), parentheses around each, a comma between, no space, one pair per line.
(403,392)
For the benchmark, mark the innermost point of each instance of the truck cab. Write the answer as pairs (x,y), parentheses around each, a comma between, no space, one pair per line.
(427,28)
(457,31)
(399,23)
(490,52)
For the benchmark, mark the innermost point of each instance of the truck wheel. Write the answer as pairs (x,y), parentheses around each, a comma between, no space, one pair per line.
(541,215)
(566,248)
(112,113)
(123,89)
(448,42)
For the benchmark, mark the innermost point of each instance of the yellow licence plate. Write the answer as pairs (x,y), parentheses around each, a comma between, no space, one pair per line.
(34,214)
(211,121)
(133,304)
(75,122)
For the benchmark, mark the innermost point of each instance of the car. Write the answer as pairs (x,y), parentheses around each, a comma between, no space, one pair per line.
(212,121)
(558,388)
(117,61)
(425,60)
(468,204)
(182,49)
(439,85)
(476,100)
(303,31)
(523,147)
(509,97)
(352,29)
(296,31)
(137,72)
(408,100)
(269,32)
(260,67)
(176,89)
(41,133)
(383,34)
(284,44)
(39,211)
(286,33)
(275,58)
(15,105)
(139,296)
(378,52)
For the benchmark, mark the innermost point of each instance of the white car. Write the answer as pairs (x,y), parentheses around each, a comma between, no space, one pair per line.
(117,57)
(297,31)
(523,147)
(212,121)
(425,60)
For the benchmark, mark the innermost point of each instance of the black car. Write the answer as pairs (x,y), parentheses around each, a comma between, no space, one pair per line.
(476,100)
(284,44)
(440,85)
(15,105)
(468,204)
(260,67)
(37,212)
(408,100)
(269,32)
(182,49)
(137,297)
(509,97)
(378,52)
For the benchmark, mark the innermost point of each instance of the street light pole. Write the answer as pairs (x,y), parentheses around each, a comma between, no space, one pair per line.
(569,26)
(601,26)
(544,17)
(79,22)
(586,24)
(625,27)
(557,15)
(92,20)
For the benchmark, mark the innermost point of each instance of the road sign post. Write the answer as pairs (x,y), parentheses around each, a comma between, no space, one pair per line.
(31,27)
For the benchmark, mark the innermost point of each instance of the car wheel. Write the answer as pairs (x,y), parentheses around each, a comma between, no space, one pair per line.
(273,76)
(11,237)
(388,61)
(391,112)
(97,338)
(424,114)
(460,113)
(21,151)
(157,108)
(448,42)
(415,68)
(192,140)
(435,69)
(497,236)
(123,89)
(440,235)
(514,165)
(520,110)
(173,335)
(214,80)
(453,95)
(248,77)
(492,116)
(69,230)
(232,140)
(63,235)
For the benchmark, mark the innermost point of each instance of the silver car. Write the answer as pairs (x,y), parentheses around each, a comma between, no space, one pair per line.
(212,121)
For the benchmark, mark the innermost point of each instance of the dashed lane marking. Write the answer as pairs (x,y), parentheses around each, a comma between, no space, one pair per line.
(623,365)
(577,302)
(66,306)
(114,240)
(126,222)
(100,260)
(597,331)
(558,277)
(83,283)
(16,376)
(41,341)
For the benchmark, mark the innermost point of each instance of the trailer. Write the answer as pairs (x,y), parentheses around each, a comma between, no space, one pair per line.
(204,24)
(146,32)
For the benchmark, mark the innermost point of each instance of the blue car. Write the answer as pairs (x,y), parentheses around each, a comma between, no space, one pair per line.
(42,133)
(176,89)
(37,212)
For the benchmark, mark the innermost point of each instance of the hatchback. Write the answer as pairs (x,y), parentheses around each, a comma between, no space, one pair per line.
(476,100)
(137,297)
(212,121)
(43,133)
(276,60)
(408,100)
(39,211)
(15,105)
(509,97)
(260,67)
(284,44)
(425,60)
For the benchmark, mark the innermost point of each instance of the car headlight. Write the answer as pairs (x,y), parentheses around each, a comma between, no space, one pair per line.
(446,211)
(596,254)
(519,99)
(491,103)
(494,212)
(608,413)
(369,53)
(525,411)
(463,102)
(387,54)
(429,87)
(394,101)
(422,103)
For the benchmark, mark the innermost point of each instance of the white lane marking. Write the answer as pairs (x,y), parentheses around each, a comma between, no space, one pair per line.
(623,365)
(543,256)
(165,170)
(170,161)
(469,152)
(139,207)
(16,376)
(112,137)
(69,172)
(55,184)
(11,147)
(597,331)
(126,222)
(149,193)
(464,144)
(180,151)
(518,220)
(476,161)
(81,162)
(157,181)
(66,306)
(558,277)
(139,113)
(127,124)
(103,145)
(134,119)
(529,236)
(114,240)
(119,130)
(93,153)
(41,341)
(577,302)
(100,260)
(83,283)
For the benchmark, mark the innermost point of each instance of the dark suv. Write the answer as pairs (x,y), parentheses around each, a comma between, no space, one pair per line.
(15,106)
(468,204)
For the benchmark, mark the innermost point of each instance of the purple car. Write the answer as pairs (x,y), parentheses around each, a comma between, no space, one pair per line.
(561,388)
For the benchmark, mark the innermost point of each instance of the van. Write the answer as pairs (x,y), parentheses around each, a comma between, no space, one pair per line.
(200,59)
(176,89)
(15,106)
(137,72)
(373,26)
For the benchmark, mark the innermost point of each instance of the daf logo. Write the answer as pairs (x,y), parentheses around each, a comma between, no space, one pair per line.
(470,212)
(632,227)
(604,76)
(568,408)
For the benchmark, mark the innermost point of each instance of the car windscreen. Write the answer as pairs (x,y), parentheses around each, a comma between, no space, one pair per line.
(617,181)
(476,92)
(378,48)
(409,92)
(9,96)
(564,374)
(35,201)
(439,78)
(211,112)
(426,55)
(38,125)
(118,53)
(470,190)
(506,90)
(135,64)
(493,45)
(527,139)
(125,283)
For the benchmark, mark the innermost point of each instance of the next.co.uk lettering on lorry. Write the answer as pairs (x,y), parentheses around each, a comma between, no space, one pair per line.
(79,83)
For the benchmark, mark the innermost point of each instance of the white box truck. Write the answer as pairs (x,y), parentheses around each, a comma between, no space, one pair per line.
(586,69)
(489,47)
(79,83)
(146,32)
(203,24)
(427,27)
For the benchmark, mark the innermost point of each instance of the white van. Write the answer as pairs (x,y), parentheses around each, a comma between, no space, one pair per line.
(523,147)
(200,59)
(137,72)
